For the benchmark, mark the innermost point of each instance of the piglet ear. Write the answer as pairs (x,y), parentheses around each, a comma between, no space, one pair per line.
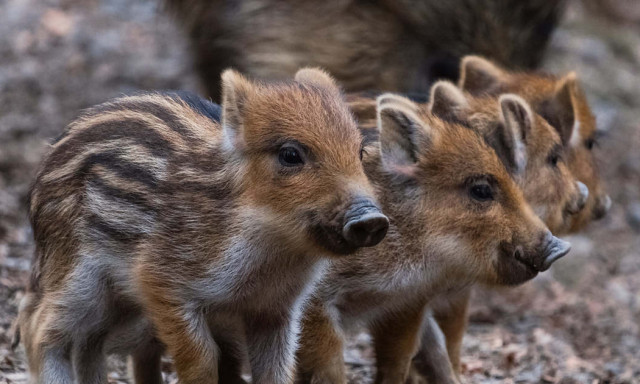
(479,75)
(316,77)
(447,101)
(236,92)
(510,138)
(559,110)
(403,135)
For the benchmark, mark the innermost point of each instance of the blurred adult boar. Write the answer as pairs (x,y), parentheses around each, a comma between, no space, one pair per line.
(388,45)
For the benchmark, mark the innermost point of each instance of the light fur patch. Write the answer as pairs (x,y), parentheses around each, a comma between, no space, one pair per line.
(576,136)
(126,149)
(540,211)
(119,214)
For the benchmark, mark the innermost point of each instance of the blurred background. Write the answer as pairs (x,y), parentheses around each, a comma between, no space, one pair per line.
(577,323)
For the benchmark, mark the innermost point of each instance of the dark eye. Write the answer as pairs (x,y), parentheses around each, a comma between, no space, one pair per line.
(481,192)
(553,159)
(362,152)
(590,143)
(290,157)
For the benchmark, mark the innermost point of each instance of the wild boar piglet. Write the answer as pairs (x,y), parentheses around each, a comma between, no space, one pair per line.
(561,101)
(456,217)
(163,219)
(542,172)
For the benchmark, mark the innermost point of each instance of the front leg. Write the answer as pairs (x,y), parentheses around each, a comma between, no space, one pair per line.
(146,362)
(229,334)
(320,355)
(188,340)
(453,320)
(231,359)
(272,340)
(431,364)
(89,360)
(395,340)
(182,327)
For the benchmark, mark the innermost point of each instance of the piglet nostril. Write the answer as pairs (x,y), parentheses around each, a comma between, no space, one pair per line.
(366,230)
(584,195)
(580,201)
(518,253)
(603,204)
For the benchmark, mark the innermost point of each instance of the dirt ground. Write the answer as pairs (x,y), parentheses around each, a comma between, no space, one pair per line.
(578,323)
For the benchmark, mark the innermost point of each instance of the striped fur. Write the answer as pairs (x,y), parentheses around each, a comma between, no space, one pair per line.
(165,216)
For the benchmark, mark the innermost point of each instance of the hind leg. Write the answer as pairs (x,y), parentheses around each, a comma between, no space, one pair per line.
(229,334)
(48,353)
(320,355)
(453,323)
(83,312)
(431,364)
(55,366)
(147,363)
(89,360)
(49,363)
(396,339)
(272,339)
(232,356)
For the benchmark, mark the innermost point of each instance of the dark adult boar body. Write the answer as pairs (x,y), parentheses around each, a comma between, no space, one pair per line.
(389,45)
(214,230)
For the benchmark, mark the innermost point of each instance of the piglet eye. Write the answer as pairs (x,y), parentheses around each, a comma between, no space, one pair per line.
(553,159)
(590,143)
(290,157)
(481,192)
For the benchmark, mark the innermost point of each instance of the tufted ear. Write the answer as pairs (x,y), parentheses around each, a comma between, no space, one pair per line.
(403,135)
(510,138)
(236,91)
(317,77)
(446,100)
(479,75)
(559,110)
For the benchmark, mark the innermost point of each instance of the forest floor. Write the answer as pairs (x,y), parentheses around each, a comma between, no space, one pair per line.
(577,323)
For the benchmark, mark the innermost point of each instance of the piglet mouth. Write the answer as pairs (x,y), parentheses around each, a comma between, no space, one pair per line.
(519,256)
(330,238)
